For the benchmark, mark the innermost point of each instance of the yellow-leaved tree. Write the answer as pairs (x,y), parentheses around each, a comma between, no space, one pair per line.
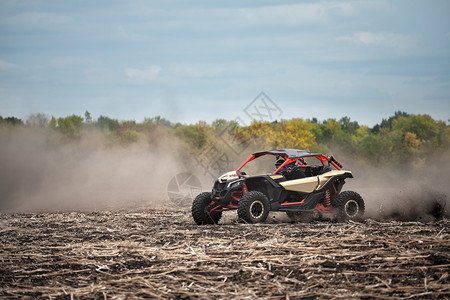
(295,133)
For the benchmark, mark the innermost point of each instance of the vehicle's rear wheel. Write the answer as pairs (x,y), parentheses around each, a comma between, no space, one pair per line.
(349,206)
(253,207)
(200,210)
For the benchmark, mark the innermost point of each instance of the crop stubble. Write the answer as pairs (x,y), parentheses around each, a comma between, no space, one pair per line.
(162,254)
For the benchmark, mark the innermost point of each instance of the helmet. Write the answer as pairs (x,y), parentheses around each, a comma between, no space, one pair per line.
(279,162)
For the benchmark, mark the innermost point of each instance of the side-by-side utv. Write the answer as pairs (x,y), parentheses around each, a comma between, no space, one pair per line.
(298,182)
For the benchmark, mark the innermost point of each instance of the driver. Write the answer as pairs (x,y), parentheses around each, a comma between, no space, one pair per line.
(278,163)
(286,168)
(289,171)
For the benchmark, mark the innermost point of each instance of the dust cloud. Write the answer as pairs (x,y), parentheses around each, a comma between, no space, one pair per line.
(402,192)
(42,171)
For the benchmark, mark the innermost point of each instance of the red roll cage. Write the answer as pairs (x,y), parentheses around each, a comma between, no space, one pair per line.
(321,157)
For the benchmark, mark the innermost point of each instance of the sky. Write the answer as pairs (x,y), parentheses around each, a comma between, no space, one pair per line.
(205,60)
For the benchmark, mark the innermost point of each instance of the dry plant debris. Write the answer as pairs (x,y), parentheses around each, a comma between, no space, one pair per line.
(163,254)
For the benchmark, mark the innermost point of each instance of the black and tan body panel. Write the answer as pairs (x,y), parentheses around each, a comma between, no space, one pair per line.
(315,183)
(277,177)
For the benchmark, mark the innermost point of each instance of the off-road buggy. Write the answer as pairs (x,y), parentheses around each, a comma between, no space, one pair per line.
(302,183)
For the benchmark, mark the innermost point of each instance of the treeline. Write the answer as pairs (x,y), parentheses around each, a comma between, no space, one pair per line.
(401,137)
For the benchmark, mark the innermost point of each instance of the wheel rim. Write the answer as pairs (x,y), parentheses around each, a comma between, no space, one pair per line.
(256,209)
(351,208)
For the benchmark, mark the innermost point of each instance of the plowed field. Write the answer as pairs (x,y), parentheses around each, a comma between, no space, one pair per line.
(163,254)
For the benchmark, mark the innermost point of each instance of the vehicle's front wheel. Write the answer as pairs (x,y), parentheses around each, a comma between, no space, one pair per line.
(200,210)
(253,207)
(349,206)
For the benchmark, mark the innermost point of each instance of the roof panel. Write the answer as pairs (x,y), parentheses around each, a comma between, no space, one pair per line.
(290,153)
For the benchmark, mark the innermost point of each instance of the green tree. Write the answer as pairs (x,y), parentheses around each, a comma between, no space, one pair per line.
(348,126)
(106,123)
(376,149)
(221,125)
(129,136)
(11,121)
(87,117)
(195,135)
(422,125)
(160,121)
(387,123)
(70,126)
(53,123)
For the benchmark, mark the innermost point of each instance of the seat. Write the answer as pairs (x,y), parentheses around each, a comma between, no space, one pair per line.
(294,173)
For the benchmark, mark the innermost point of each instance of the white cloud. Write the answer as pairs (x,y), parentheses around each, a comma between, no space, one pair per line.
(398,42)
(150,73)
(195,70)
(72,61)
(297,14)
(5,65)
(63,62)
(202,70)
(38,19)
(130,35)
(313,13)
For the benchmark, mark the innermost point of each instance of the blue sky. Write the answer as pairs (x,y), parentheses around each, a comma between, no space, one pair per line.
(204,60)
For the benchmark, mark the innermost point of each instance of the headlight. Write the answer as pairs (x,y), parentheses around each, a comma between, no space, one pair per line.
(234,183)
